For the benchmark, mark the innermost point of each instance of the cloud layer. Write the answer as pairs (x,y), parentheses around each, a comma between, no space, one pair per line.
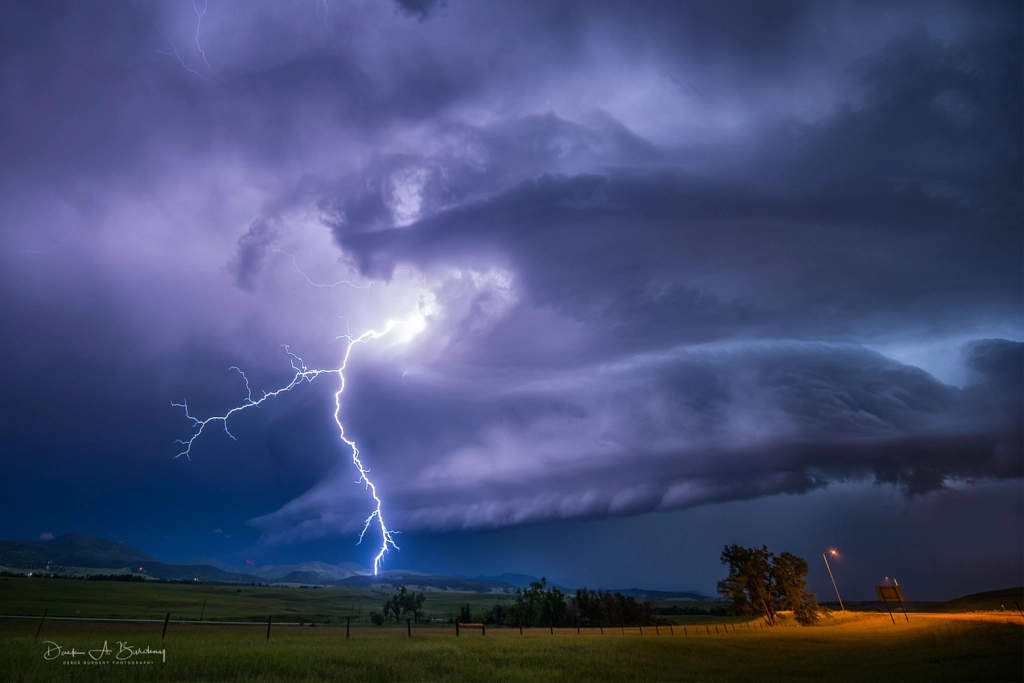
(666,256)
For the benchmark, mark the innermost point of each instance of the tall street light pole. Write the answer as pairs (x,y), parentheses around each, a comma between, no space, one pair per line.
(825,557)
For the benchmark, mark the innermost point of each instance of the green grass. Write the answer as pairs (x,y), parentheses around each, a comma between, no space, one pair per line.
(69,597)
(867,647)
(851,646)
(151,600)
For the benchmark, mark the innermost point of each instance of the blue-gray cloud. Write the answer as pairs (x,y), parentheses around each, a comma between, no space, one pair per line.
(658,251)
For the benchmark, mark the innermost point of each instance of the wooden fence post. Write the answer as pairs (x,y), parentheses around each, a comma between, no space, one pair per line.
(203,611)
(456,628)
(408,627)
(348,625)
(671,631)
(551,626)
(41,622)
(166,620)
(269,619)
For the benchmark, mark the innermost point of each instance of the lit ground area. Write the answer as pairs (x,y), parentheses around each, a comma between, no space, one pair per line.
(852,648)
(976,640)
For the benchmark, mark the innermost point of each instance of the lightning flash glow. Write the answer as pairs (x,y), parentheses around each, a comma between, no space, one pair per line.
(410,329)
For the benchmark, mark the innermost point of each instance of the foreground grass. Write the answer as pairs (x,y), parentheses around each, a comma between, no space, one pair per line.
(858,648)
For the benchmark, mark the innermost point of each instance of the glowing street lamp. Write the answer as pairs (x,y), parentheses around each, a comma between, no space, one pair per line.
(825,557)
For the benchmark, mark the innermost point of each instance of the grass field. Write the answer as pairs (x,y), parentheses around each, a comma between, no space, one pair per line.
(68,597)
(1010,599)
(862,646)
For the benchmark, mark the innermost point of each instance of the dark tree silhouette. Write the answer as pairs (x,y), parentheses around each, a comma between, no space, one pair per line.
(542,605)
(762,583)
(403,602)
(465,615)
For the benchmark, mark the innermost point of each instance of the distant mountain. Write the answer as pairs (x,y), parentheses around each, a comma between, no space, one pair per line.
(517,580)
(223,566)
(71,550)
(77,550)
(178,572)
(663,595)
(307,572)
(321,572)
(77,553)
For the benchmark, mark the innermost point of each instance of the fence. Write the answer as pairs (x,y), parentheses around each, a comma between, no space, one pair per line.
(672,629)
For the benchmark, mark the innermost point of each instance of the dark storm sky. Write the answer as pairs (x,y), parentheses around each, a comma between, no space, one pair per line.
(688,274)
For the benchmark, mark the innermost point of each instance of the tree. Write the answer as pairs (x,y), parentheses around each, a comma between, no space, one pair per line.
(762,583)
(541,605)
(403,602)
(416,605)
(789,572)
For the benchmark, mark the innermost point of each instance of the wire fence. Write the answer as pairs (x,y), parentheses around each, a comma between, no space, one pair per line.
(455,630)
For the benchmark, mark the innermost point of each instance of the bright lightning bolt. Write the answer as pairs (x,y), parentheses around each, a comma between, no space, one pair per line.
(305,374)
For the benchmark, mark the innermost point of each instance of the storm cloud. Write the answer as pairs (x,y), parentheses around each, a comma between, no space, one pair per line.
(665,256)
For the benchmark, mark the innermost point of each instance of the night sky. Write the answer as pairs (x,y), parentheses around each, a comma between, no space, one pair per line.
(680,275)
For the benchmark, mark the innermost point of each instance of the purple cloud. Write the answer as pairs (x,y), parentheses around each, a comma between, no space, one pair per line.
(666,256)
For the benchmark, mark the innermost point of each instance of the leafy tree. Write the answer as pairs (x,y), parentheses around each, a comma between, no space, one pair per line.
(789,572)
(403,602)
(416,605)
(499,614)
(542,606)
(762,583)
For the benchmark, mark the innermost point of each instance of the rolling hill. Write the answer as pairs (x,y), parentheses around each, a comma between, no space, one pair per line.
(71,553)
(78,554)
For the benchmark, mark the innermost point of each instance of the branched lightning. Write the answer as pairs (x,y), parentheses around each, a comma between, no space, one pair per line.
(307,374)
(199,23)
(319,284)
(172,51)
